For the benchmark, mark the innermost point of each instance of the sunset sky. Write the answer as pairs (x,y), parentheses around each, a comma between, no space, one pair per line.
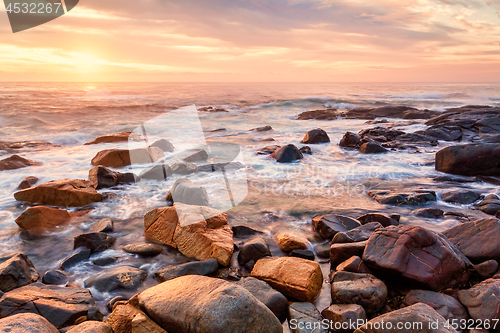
(259,40)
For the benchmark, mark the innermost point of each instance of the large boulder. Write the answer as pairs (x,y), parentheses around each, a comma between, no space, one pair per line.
(37,220)
(121,277)
(92,326)
(103,177)
(205,267)
(477,240)
(116,158)
(198,232)
(111,138)
(490,205)
(448,307)
(17,271)
(287,154)
(95,241)
(63,193)
(470,160)
(482,300)
(192,304)
(126,318)
(298,278)
(187,192)
(60,306)
(350,140)
(417,254)
(16,162)
(289,240)
(327,226)
(316,136)
(27,323)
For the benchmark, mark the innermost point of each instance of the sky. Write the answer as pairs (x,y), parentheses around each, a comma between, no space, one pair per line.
(259,41)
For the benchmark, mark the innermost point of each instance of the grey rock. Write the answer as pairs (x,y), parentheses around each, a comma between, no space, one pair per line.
(205,267)
(17,271)
(447,306)
(95,241)
(185,191)
(358,234)
(122,277)
(304,318)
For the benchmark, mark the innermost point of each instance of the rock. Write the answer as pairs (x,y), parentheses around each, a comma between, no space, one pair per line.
(158,172)
(486,269)
(60,306)
(446,133)
(447,306)
(143,324)
(25,323)
(464,197)
(268,150)
(262,129)
(111,138)
(289,240)
(106,261)
(271,298)
(38,220)
(230,274)
(417,254)
(354,265)
(390,111)
(397,199)
(27,182)
(15,146)
(199,232)
(490,205)
(384,219)
(116,158)
(429,213)
(415,319)
(164,145)
(212,109)
(146,250)
(328,114)
(16,162)
(91,327)
(470,160)
(242,231)
(63,193)
(323,250)
(122,320)
(327,226)
(316,136)
(185,191)
(115,300)
(294,277)
(481,300)
(220,306)
(205,267)
(95,241)
(358,234)
(17,271)
(103,225)
(103,177)
(304,318)
(183,168)
(287,154)
(198,156)
(340,252)
(305,150)
(350,140)
(122,277)
(305,254)
(372,148)
(361,289)
(253,250)
(55,277)
(477,240)
(75,258)
(343,316)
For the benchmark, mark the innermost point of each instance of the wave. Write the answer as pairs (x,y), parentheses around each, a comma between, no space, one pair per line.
(341,106)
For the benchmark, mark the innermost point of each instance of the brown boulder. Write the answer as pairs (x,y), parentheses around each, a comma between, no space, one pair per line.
(448,307)
(26,323)
(287,154)
(328,114)
(340,252)
(384,219)
(289,240)
(16,162)
(327,226)
(355,265)
(117,137)
(91,326)
(27,182)
(126,318)
(350,140)
(103,177)
(403,198)
(40,219)
(294,277)
(115,158)
(482,300)
(63,193)
(17,271)
(470,160)
(316,136)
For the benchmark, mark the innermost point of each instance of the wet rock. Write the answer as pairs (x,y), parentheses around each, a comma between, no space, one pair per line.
(328,114)
(358,234)
(198,156)
(253,250)
(294,277)
(429,213)
(486,269)
(361,289)
(185,191)
(396,199)
(354,265)
(158,172)
(220,306)
(17,271)
(205,267)
(103,225)
(122,277)
(122,319)
(146,250)
(316,136)
(26,322)
(95,241)
(327,226)
(391,111)
(212,109)
(305,150)
(304,254)
(63,193)
(38,220)
(198,232)
(417,254)
(344,315)
(242,231)
(16,162)
(183,168)
(61,306)
(464,197)
(111,138)
(143,324)
(15,146)
(323,250)
(55,277)
(447,306)
(271,298)
(420,316)
(164,145)
(106,261)
(350,140)
(481,300)
(446,133)
(103,177)
(114,300)
(289,240)
(477,240)
(340,252)
(91,326)
(212,167)
(470,160)
(27,182)
(262,129)
(490,205)
(287,154)
(372,148)
(75,258)
(384,219)
(304,318)
(116,158)
(268,150)
(230,274)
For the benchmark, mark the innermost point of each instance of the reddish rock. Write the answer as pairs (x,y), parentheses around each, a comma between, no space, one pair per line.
(328,114)
(470,160)
(482,300)
(39,219)
(95,241)
(27,182)
(123,316)
(17,271)
(16,162)
(316,136)
(343,315)
(405,198)
(448,307)
(91,326)
(350,140)
(340,252)
(103,177)
(289,240)
(355,265)
(115,158)
(372,148)
(117,137)
(27,322)
(384,219)
(486,269)
(358,234)
(327,226)
(287,154)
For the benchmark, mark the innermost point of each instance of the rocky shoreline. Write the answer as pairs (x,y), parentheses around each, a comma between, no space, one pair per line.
(372,268)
